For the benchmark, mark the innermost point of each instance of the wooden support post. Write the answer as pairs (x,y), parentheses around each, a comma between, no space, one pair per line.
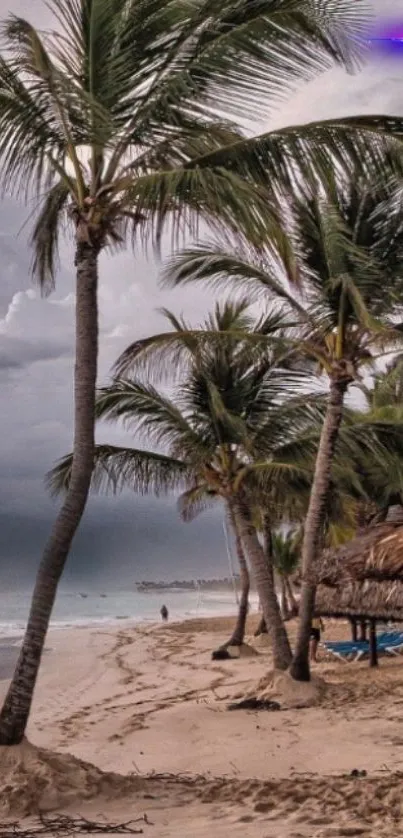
(373,650)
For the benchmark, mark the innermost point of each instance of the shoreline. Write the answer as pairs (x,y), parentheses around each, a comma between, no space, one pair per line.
(211,607)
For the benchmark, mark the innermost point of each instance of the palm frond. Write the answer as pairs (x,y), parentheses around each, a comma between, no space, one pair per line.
(118,468)
(45,235)
(31,144)
(273,474)
(126,94)
(310,154)
(292,427)
(168,354)
(179,200)
(240,54)
(239,268)
(54,89)
(196,500)
(286,552)
(148,413)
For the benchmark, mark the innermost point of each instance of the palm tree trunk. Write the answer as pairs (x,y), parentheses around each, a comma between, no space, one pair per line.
(291,598)
(284,609)
(313,528)
(238,634)
(16,708)
(262,628)
(263,574)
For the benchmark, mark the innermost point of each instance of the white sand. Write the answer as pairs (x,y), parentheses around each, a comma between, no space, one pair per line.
(143,700)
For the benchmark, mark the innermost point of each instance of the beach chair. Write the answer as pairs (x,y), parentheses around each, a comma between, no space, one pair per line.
(347,650)
(350,650)
(392,643)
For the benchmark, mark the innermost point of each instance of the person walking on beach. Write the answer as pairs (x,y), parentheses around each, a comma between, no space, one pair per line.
(164,613)
(316,628)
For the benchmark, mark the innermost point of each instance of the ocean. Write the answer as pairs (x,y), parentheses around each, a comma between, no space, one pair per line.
(79,608)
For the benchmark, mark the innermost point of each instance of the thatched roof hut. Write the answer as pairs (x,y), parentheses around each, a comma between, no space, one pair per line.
(377,554)
(368,600)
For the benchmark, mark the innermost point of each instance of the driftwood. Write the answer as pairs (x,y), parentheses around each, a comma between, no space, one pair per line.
(60,825)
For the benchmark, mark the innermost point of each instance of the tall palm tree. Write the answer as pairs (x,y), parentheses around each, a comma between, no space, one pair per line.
(230,433)
(252,447)
(110,121)
(344,306)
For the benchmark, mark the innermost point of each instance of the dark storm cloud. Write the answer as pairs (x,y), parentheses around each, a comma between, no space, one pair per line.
(123,541)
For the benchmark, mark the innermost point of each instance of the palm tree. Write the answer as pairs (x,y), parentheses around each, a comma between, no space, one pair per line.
(344,307)
(382,476)
(230,433)
(286,555)
(238,635)
(346,494)
(109,121)
(200,496)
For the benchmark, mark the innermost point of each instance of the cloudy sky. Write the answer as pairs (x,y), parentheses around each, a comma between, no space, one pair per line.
(126,538)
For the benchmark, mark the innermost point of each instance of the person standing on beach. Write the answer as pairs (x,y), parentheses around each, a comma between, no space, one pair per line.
(316,628)
(164,613)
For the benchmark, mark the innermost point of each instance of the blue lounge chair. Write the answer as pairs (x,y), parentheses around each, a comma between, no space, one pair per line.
(392,643)
(347,649)
(387,642)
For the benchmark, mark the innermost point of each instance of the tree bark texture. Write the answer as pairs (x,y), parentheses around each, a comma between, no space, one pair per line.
(291,598)
(313,528)
(16,708)
(284,609)
(238,635)
(262,628)
(263,573)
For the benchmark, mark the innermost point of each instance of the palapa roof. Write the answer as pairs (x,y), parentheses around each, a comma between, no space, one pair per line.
(380,601)
(376,554)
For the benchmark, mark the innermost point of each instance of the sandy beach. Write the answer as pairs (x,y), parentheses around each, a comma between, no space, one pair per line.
(147,700)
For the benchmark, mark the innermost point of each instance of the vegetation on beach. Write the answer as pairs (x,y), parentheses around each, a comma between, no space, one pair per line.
(110,122)
(240,433)
(339,317)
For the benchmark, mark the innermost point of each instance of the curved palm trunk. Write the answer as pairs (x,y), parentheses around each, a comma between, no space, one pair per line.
(238,634)
(16,708)
(284,609)
(291,598)
(313,528)
(263,574)
(262,628)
